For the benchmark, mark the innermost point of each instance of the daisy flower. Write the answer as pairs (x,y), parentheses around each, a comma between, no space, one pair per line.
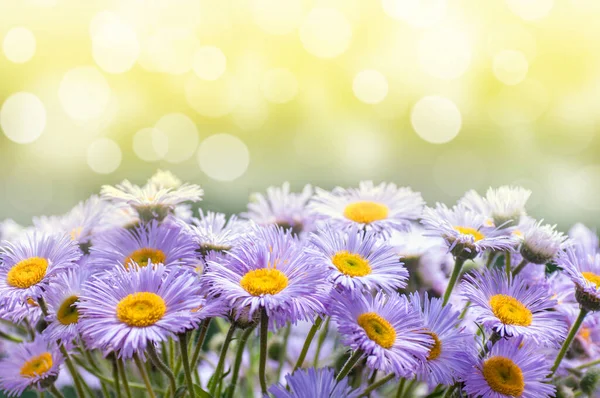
(124,311)
(510,370)
(214,232)
(313,383)
(282,207)
(382,207)
(26,311)
(164,180)
(267,270)
(511,308)
(28,265)
(466,233)
(584,270)
(452,352)
(386,328)
(34,364)
(540,243)
(357,260)
(504,206)
(166,244)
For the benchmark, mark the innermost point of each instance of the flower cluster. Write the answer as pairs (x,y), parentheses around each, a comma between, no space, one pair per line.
(340,293)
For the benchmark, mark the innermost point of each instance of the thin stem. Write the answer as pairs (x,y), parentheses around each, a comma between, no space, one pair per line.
(72,370)
(508,264)
(282,351)
(264,331)
(10,337)
(106,379)
(320,342)
(520,267)
(121,367)
(216,379)
(354,358)
(171,353)
(400,388)
(455,273)
(588,364)
(377,384)
(186,364)
(142,369)
(162,367)
(238,360)
(490,259)
(308,341)
(200,342)
(449,391)
(409,388)
(572,333)
(55,391)
(115,372)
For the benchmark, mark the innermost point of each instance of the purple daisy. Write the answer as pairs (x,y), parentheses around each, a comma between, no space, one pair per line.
(313,383)
(357,260)
(510,370)
(28,265)
(213,232)
(267,269)
(124,311)
(511,308)
(29,365)
(583,267)
(386,328)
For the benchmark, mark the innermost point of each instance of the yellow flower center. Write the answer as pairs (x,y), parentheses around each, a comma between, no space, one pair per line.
(378,329)
(76,233)
(67,313)
(504,376)
(585,333)
(37,366)
(144,255)
(510,311)
(477,235)
(27,273)
(141,309)
(264,281)
(366,212)
(436,350)
(351,264)
(592,278)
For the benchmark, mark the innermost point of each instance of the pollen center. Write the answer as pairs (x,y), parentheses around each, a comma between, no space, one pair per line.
(504,376)
(141,309)
(351,264)
(510,311)
(477,235)
(144,255)
(378,329)
(37,366)
(67,313)
(27,273)
(264,281)
(366,212)
(592,278)
(436,350)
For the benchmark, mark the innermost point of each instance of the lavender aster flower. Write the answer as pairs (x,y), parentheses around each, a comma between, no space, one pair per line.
(28,265)
(511,308)
(386,328)
(510,370)
(584,270)
(505,206)
(267,270)
(214,232)
(382,207)
(124,311)
(584,239)
(313,383)
(541,243)
(453,350)
(29,364)
(357,260)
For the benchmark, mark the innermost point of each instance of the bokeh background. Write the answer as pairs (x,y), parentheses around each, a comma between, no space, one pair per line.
(237,95)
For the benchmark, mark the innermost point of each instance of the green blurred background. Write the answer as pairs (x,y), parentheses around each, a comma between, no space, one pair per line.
(241,94)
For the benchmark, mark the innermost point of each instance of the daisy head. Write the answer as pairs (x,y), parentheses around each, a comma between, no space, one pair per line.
(33,364)
(540,243)
(28,265)
(165,243)
(283,208)
(584,270)
(313,383)
(466,232)
(505,206)
(382,207)
(357,260)
(510,370)
(511,308)
(213,232)
(124,311)
(453,350)
(386,328)
(267,270)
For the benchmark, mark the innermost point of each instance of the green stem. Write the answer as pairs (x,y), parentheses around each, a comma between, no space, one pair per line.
(115,372)
(283,350)
(377,384)
(508,265)
(449,391)
(107,379)
(400,388)
(121,367)
(354,358)
(490,259)
(10,337)
(238,360)
(453,278)
(520,267)
(55,391)
(572,333)
(72,370)
(320,342)
(186,364)
(308,341)
(588,364)
(162,367)
(409,388)
(216,378)
(142,369)
(264,331)
(200,341)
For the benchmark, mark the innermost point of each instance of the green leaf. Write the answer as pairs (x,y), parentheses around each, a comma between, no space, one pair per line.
(200,393)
